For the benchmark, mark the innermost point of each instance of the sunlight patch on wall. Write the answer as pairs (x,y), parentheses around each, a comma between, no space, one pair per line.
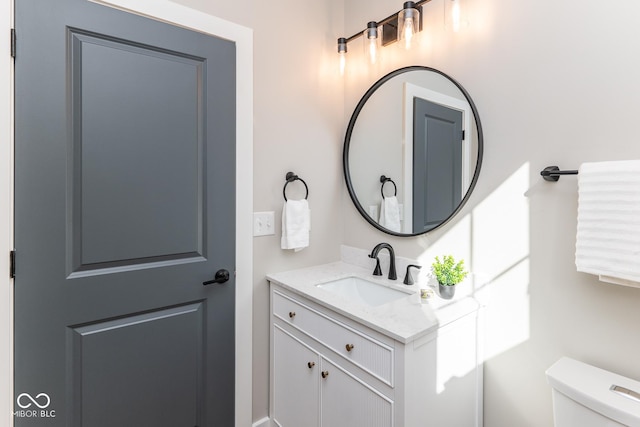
(493,240)
(501,227)
(500,255)
(507,316)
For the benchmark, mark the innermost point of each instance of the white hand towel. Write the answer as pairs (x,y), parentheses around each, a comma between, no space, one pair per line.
(296,223)
(608,235)
(390,214)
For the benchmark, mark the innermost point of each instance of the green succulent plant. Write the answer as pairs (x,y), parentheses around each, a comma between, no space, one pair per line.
(447,271)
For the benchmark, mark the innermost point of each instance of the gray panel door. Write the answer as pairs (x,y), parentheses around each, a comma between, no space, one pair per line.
(437,163)
(124,206)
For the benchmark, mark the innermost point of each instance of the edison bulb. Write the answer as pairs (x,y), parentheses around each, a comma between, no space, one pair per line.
(371,38)
(408,32)
(342,53)
(373,50)
(408,24)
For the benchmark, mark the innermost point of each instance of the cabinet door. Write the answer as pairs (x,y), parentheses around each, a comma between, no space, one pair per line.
(349,402)
(296,385)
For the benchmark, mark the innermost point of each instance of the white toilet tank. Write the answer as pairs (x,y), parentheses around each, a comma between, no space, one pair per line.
(586,396)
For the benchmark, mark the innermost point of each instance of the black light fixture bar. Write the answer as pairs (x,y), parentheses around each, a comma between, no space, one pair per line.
(390,26)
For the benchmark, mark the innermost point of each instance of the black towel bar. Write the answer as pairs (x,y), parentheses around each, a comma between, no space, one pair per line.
(552,173)
(290,177)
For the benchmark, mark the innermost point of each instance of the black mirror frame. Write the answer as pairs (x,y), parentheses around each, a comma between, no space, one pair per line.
(347,142)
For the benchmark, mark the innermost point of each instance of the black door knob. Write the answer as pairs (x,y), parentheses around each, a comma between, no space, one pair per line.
(221,276)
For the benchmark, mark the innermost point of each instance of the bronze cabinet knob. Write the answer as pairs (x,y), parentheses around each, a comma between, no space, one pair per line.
(311,364)
(292,314)
(325,374)
(349,347)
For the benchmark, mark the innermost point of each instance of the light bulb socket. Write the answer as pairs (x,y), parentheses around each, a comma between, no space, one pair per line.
(409,8)
(342,45)
(372,30)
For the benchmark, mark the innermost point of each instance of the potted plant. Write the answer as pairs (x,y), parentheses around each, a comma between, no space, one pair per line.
(449,274)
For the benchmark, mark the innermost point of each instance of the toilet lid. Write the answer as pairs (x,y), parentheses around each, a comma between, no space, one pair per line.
(612,395)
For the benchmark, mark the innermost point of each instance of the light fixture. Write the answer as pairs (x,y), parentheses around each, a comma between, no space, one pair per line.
(408,24)
(342,52)
(400,26)
(371,39)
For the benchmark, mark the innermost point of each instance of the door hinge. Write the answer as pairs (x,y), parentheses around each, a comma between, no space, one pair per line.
(13,43)
(12,264)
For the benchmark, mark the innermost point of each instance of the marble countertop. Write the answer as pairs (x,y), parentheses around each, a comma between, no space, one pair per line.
(405,319)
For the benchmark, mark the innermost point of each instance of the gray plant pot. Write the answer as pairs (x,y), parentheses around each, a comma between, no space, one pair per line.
(446,292)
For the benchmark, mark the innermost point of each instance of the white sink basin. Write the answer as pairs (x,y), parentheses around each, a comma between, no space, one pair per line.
(363,291)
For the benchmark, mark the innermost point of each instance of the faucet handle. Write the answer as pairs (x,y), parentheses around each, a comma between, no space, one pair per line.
(377,271)
(408,280)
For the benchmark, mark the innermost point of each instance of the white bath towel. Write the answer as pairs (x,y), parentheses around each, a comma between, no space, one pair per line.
(390,214)
(296,223)
(608,235)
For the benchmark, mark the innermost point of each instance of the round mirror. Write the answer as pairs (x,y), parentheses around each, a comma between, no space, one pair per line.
(412,151)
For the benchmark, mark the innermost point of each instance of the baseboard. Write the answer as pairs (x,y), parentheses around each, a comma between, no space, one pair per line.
(265,422)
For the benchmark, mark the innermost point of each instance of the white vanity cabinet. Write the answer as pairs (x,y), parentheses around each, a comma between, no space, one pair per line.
(328,370)
(309,386)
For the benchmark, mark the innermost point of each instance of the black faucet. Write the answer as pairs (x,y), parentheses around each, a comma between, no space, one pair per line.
(392,258)
(408,280)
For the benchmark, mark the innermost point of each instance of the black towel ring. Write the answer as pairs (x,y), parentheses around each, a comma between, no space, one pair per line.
(290,177)
(384,180)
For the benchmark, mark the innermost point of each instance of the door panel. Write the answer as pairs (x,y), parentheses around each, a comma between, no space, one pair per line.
(124,206)
(437,157)
(106,354)
(113,212)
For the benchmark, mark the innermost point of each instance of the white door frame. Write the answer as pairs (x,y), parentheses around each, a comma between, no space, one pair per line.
(6,215)
(166,11)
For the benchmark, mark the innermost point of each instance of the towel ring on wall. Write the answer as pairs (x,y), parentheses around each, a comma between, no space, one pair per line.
(384,180)
(552,173)
(290,177)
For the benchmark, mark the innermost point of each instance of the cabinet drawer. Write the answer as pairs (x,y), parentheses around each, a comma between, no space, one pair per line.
(369,354)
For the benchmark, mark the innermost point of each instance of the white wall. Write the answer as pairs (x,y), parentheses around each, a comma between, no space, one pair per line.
(555,84)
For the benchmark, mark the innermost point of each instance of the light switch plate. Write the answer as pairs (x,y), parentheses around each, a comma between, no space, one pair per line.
(263,224)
